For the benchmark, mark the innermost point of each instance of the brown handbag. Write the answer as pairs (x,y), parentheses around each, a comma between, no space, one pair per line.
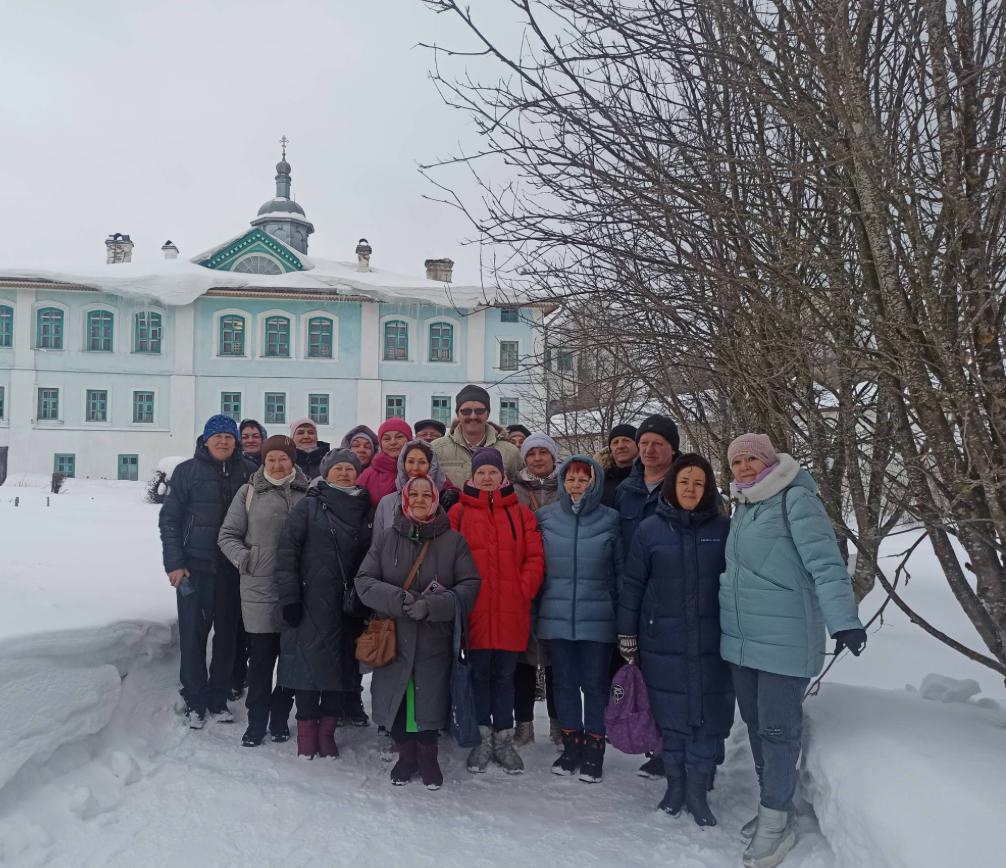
(377,645)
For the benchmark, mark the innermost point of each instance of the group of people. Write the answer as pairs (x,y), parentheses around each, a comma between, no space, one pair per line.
(287,548)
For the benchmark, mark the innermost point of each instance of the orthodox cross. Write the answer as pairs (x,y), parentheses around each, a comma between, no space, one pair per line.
(284,142)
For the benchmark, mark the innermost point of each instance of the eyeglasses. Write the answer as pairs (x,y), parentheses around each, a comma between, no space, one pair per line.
(468,411)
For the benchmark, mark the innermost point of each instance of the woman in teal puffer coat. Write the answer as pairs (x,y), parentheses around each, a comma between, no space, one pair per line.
(576,610)
(785,580)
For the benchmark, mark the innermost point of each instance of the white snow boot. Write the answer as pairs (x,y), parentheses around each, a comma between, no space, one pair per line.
(524,733)
(506,754)
(774,837)
(748,829)
(482,754)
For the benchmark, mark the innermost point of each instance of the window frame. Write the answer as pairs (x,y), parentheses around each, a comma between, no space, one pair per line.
(328,408)
(433,409)
(39,313)
(137,406)
(391,321)
(3,401)
(506,420)
(510,315)
(135,464)
(41,403)
(508,342)
(90,338)
(150,329)
(441,324)
(387,406)
(272,318)
(64,456)
(6,327)
(331,323)
(87,406)
(223,317)
(273,419)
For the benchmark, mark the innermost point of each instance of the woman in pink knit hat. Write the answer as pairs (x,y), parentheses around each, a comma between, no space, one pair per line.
(381,477)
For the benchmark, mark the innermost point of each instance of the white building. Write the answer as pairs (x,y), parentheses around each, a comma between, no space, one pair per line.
(105,369)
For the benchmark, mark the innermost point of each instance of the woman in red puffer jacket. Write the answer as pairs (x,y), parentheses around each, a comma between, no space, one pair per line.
(505,541)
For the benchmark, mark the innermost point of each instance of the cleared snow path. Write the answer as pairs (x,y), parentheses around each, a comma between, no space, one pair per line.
(134,786)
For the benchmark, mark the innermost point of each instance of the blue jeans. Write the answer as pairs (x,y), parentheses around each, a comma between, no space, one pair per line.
(699,754)
(577,667)
(492,678)
(772,707)
(215,604)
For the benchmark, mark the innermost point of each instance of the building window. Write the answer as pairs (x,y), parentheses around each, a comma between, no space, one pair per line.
(143,407)
(6,327)
(275,408)
(147,334)
(99,331)
(258,264)
(48,405)
(509,412)
(96,405)
(65,463)
(2,395)
(441,409)
(564,361)
(317,409)
(441,342)
(510,314)
(396,341)
(508,355)
(49,329)
(230,405)
(277,337)
(232,336)
(394,407)
(129,467)
(319,338)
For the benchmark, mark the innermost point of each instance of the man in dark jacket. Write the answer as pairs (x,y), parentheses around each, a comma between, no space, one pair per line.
(617,459)
(206,583)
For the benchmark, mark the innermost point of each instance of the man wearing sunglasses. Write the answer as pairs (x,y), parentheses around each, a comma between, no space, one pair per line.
(470,430)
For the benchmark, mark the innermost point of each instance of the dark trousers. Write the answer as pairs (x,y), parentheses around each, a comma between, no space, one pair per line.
(315,704)
(581,667)
(492,678)
(239,678)
(703,755)
(525,683)
(265,703)
(400,735)
(772,707)
(214,605)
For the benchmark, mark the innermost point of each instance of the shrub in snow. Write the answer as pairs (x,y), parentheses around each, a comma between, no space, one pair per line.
(57,482)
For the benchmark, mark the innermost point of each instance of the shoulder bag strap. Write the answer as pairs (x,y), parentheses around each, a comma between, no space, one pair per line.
(533,499)
(416,565)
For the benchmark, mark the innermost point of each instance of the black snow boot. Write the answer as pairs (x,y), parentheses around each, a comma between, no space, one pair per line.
(592,758)
(569,760)
(653,768)
(674,798)
(352,708)
(258,718)
(696,787)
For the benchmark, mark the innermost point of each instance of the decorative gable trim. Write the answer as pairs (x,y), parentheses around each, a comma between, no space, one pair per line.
(253,241)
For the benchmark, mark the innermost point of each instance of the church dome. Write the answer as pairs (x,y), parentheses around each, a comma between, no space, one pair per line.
(280,205)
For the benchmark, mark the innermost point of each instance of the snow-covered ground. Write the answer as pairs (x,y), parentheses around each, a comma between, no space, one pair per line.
(97,769)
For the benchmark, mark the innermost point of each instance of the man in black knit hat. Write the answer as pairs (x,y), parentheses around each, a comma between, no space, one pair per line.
(617,458)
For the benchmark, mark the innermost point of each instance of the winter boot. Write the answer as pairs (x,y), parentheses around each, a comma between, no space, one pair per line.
(774,837)
(696,787)
(408,762)
(280,731)
(569,759)
(653,768)
(674,798)
(524,733)
(748,829)
(257,719)
(194,717)
(506,754)
(327,747)
(221,715)
(307,738)
(352,708)
(482,754)
(429,767)
(592,758)
(554,732)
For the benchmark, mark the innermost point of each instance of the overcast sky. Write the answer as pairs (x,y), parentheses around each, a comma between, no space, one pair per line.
(162,120)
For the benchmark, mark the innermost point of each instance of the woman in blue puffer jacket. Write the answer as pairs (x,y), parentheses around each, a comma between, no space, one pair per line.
(576,610)
(785,580)
(669,616)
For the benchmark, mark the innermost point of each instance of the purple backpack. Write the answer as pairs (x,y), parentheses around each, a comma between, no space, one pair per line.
(631,727)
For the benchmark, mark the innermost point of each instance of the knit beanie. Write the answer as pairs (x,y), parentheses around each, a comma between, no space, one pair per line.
(518,429)
(251,423)
(670,486)
(756,445)
(394,424)
(472,392)
(423,424)
(304,420)
(486,455)
(339,456)
(220,424)
(280,443)
(663,426)
(539,440)
(623,430)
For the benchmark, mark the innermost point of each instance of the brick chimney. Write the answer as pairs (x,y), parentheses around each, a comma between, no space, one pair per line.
(169,250)
(118,248)
(441,270)
(363,251)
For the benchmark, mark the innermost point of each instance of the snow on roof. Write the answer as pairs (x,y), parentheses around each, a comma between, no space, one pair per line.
(178,282)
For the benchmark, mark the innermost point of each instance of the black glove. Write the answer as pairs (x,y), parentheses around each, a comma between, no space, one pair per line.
(628,648)
(293,614)
(417,609)
(449,497)
(854,640)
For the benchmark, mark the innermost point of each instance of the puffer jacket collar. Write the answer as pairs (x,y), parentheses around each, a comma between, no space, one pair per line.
(258,481)
(684,518)
(782,477)
(591,499)
(493,433)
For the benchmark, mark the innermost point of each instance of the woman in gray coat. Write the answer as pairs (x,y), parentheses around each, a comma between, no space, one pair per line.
(248,538)
(411,695)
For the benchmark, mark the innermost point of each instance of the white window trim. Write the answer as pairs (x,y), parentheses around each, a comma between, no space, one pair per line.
(307,405)
(132,332)
(305,344)
(220,403)
(286,406)
(516,400)
(61,416)
(215,346)
(67,326)
(260,335)
(145,426)
(251,253)
(12,304)
(406,398)
(108,406)
(412,329)
(458,359)
(496,361)
(86,311)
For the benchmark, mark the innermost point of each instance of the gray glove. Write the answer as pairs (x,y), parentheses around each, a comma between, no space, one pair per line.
(417,609)
(628,648)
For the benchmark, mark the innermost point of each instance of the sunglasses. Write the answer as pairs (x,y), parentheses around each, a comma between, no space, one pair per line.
(478,411)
